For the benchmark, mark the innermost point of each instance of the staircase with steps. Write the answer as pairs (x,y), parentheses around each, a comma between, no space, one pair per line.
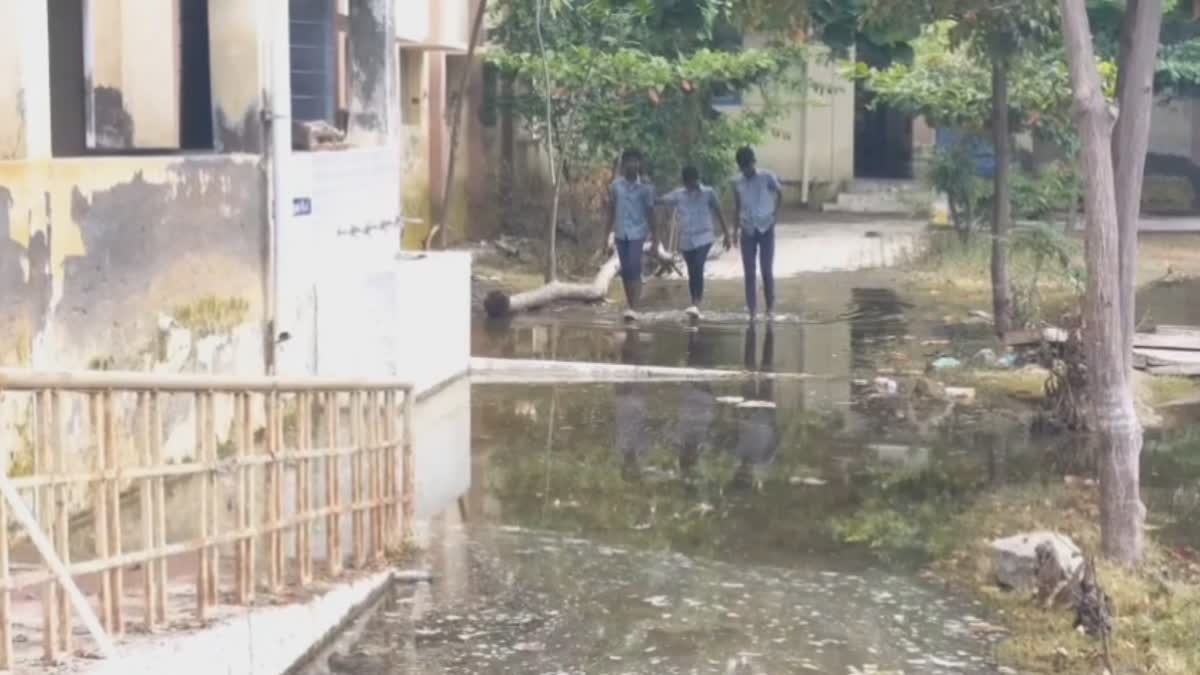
(883,196)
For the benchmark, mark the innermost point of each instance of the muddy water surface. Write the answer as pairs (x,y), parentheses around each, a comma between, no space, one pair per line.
(757,526)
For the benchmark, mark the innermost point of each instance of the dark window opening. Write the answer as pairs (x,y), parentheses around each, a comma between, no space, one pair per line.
(76,127)
(195,78)
(320,61)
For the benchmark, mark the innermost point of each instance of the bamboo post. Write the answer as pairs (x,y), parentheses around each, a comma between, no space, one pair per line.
(6,638)
(44,498)
(389,468)
(202,568)
(373,470)
(212,575)
(241,413)
(101,506)
(408,485)
(277,469)
(356,443)
(149,592)
(159,567)
(114,514)
(272,447)
(333,530)
(42,543)
(62,528)
(304,489)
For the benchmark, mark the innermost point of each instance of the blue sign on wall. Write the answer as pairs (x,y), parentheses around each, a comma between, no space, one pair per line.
(301,206)
(985,158)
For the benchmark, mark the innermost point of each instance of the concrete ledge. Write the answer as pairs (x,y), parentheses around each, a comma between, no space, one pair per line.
(260,641)
(519,371)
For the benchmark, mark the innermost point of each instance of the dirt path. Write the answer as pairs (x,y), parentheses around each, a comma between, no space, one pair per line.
(830,245)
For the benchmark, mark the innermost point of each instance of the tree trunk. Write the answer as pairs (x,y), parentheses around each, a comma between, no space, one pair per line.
(439,227)
(1131,138)
(1122,515)
(498,304)
(1001,197)
(551,272)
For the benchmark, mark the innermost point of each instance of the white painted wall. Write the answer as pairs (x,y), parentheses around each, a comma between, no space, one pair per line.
(1173,131)
(820,124)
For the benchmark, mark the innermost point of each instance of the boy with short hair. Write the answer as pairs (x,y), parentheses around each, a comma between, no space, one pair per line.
(631,222)
(695,205)
(757,196)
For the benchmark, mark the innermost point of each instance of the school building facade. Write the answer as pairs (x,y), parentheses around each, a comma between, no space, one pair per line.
(218,186)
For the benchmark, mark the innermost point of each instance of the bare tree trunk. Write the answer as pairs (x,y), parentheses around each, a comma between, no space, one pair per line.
(1001,197)
(439,227)
(1122,514)
(1131,138)
(551,272)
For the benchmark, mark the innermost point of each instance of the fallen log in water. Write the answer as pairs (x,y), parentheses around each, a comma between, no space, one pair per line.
(499,303)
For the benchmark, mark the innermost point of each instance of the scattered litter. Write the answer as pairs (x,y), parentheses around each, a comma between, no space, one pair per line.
(886,385)
(964,395)
(756,404)
(659,601)
(946,363)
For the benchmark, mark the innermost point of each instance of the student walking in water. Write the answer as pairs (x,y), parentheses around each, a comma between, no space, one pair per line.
(695,206)
(631,222)
(757,196)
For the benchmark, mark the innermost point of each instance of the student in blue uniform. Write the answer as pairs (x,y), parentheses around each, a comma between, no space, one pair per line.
(695,206)
(631,219)
(757,196)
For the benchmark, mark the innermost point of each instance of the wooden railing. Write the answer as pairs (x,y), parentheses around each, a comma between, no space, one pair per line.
(308,475)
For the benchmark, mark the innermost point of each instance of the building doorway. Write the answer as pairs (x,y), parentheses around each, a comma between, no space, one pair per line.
(883,136)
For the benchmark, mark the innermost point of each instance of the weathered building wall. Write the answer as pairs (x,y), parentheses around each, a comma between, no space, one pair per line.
(92,251)
(135,263)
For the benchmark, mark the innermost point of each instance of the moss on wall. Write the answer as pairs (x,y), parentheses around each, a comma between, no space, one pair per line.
(211,315)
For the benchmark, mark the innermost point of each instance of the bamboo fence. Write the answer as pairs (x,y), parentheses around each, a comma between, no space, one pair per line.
(292,446)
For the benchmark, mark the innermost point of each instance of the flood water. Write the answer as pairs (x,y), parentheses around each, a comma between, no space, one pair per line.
(703,527)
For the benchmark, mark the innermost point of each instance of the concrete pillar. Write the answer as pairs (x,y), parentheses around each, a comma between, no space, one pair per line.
(237,67)
(24,80)
(131,57)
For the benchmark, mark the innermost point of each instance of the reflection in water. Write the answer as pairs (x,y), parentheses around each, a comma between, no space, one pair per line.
(697,411)
(757,422)
(633,439)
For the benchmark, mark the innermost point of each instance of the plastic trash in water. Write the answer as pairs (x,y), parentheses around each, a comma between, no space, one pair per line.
(946,363)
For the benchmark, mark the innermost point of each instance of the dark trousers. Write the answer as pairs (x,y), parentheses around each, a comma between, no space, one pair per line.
(760,245)
(629,252)
(695,259)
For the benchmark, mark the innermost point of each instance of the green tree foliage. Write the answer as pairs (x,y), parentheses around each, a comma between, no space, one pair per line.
(640,73)
(1178,71)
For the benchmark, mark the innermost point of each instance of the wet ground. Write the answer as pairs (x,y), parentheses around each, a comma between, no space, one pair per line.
(756,526)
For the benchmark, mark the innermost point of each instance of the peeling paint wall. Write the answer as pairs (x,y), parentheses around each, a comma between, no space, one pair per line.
(93,250)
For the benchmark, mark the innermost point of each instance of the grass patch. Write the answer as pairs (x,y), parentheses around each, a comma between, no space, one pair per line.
(1052,260)
(1023,384)
(1157,604)
(1161,389)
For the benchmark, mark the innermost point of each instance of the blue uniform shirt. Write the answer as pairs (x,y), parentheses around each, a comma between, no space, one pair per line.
(757,197)
(634,200)
(695,213)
